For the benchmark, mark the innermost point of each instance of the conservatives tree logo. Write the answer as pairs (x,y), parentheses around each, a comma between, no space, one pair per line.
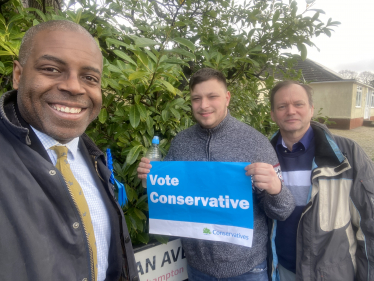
(206,231)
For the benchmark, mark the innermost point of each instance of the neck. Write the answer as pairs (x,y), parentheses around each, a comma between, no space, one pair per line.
(290,138)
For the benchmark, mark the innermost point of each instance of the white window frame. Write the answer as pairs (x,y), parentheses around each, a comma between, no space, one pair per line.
(372,99)
(358,96)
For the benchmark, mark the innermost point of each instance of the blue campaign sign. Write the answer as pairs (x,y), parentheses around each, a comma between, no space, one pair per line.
(205,200)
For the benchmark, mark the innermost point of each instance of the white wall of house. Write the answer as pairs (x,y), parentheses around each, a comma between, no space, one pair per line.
(335,99)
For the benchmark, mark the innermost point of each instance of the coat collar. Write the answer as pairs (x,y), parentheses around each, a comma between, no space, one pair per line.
(327,152)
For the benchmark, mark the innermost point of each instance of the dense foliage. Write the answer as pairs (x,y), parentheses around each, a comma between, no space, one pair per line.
(151,48)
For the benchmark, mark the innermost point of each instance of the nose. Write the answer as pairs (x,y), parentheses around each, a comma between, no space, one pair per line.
(204,103)
(72,84)
(291,110)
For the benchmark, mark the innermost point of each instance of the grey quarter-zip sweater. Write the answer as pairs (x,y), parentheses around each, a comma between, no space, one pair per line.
(231,141)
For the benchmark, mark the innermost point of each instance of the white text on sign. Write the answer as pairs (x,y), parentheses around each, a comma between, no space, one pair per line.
(205,201)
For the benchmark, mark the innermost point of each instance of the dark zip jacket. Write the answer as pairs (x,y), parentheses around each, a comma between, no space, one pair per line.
(335,236)
(39,237)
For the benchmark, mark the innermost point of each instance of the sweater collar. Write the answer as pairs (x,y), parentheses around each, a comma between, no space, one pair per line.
(221,127)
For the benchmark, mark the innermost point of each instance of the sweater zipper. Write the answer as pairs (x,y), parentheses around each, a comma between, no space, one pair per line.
(85,231)
(208,145)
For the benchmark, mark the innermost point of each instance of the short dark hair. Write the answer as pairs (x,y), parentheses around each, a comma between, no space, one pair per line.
(62,25)
(206,74)
(286,83)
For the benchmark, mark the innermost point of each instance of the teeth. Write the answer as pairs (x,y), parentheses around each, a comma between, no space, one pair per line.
(67,109)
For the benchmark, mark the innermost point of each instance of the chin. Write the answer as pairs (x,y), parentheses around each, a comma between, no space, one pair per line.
(64,138)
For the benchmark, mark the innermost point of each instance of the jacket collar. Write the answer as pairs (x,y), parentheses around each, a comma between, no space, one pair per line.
(327,152)
(218,130)
(14,122)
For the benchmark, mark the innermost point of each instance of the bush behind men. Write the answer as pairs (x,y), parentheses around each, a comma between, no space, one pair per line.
(220,137)
(46,217)
(330,234)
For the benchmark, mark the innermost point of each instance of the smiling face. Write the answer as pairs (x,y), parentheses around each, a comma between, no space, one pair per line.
(59,87)
(209,101)
(292,111)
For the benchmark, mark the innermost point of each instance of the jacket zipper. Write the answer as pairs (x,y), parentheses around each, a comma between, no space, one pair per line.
(85,232)
(208,145)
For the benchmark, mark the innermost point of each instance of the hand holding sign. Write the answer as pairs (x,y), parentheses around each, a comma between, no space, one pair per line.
(264,177)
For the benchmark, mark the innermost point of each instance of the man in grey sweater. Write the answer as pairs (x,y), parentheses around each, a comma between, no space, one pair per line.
(220,137)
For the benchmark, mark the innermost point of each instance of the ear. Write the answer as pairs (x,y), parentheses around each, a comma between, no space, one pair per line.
(228,97)
(312,110)
(272,115)
(17,73)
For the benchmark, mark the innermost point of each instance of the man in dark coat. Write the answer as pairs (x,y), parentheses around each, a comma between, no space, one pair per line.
(45,229)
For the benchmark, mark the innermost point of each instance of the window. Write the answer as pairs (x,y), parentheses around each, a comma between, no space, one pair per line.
(372,99)
(358,96)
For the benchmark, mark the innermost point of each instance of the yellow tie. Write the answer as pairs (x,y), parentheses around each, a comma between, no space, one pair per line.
(78,197)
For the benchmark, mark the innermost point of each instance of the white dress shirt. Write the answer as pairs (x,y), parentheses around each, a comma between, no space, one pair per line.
(98,211)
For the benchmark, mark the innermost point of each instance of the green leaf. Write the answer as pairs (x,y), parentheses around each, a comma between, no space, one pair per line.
(141,200)
(15,18)
(131,194)
(183,53)
(143,237)
(185,42)
(143,57)
(176,61)
(165,114)
(302,48)
(168,86)
(140,214)
(5,53)
(103,115)
(142,111)
(116,42)
(175,113)
(276,16)
(114,68)
(133,154)
(145,42)
(258,48)
(134,116)
(162,239)
(125,57)
(41,15)
(151,55)
(79,15)
(137,75)
(150,123)
(178,102)
(327,31)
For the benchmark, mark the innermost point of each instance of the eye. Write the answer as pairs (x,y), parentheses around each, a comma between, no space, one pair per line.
(50,69)
(91,79)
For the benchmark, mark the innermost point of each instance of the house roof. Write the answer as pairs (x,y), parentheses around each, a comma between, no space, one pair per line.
(315,72)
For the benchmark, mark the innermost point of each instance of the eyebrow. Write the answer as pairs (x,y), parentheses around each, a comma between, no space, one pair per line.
(52,58)
(55,59)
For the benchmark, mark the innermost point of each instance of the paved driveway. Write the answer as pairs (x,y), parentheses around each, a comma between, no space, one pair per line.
(363,135)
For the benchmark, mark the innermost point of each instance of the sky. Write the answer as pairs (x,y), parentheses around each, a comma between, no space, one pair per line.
(351,46)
